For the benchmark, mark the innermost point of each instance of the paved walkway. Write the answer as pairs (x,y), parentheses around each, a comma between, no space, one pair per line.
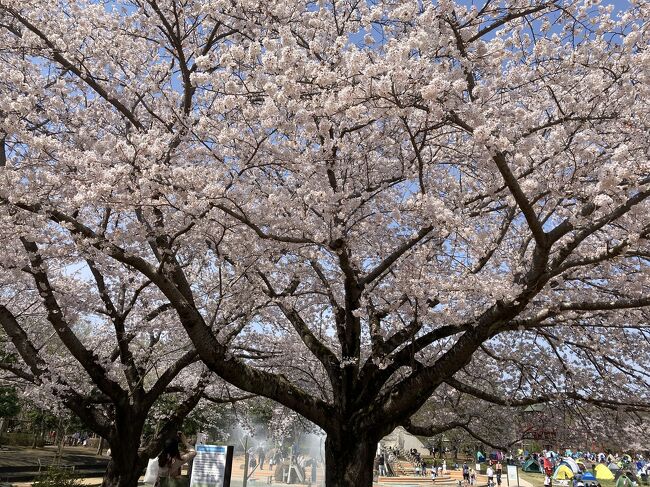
(237,482)
(27,459)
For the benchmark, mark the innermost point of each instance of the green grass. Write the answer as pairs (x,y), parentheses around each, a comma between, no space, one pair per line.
(536,479)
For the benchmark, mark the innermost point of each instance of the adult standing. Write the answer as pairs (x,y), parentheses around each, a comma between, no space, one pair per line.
(382,465)
(490,475)
(314,470)
(171,460)
(466,472)
(498,470)
(261,455)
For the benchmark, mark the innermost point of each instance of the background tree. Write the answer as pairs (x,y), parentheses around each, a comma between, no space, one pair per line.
(93,357)
(392,194)
(9,406)
(500,423)
(104,345)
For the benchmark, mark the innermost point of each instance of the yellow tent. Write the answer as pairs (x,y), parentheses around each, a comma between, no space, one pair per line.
(603,473)
(563,472)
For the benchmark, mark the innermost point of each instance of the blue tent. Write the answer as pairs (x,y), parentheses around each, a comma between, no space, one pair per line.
(588,476)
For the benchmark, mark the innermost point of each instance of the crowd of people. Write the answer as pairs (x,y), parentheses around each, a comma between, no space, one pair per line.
(626,470)
(78,438)
(469,475)
(629,471)
(425,468)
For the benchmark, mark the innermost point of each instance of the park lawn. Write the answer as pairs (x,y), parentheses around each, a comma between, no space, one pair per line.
(537,479)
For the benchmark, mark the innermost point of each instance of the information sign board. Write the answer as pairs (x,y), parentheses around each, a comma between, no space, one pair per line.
(513,476)
(212,466)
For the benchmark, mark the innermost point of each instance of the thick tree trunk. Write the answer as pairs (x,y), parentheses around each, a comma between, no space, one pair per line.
(125,466)
(123,472)
(349,460)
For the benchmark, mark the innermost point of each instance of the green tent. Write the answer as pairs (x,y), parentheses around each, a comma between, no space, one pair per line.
(624,481)
(532,465)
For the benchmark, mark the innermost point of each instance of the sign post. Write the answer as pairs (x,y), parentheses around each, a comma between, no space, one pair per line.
(212,466)
(513,476)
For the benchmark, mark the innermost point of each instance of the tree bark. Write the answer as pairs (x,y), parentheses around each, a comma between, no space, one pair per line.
(349,459)
(123,470)
(126,464)
(100,447)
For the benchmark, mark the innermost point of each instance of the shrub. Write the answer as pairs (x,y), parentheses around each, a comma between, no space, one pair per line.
(57,477)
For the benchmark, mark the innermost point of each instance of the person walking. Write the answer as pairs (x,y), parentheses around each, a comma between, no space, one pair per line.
(466,473)
(171,460)
(382,466)
(314,470)
(261,455)
(490,476)
(498,471)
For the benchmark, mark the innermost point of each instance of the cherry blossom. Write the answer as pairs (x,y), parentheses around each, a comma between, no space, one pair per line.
(349,207)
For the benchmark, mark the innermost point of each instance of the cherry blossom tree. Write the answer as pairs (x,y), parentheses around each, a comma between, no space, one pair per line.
(383,197)
(110,372)
(105,355)
(499,422)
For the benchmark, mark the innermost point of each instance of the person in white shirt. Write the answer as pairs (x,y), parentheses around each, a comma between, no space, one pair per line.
(490,475)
